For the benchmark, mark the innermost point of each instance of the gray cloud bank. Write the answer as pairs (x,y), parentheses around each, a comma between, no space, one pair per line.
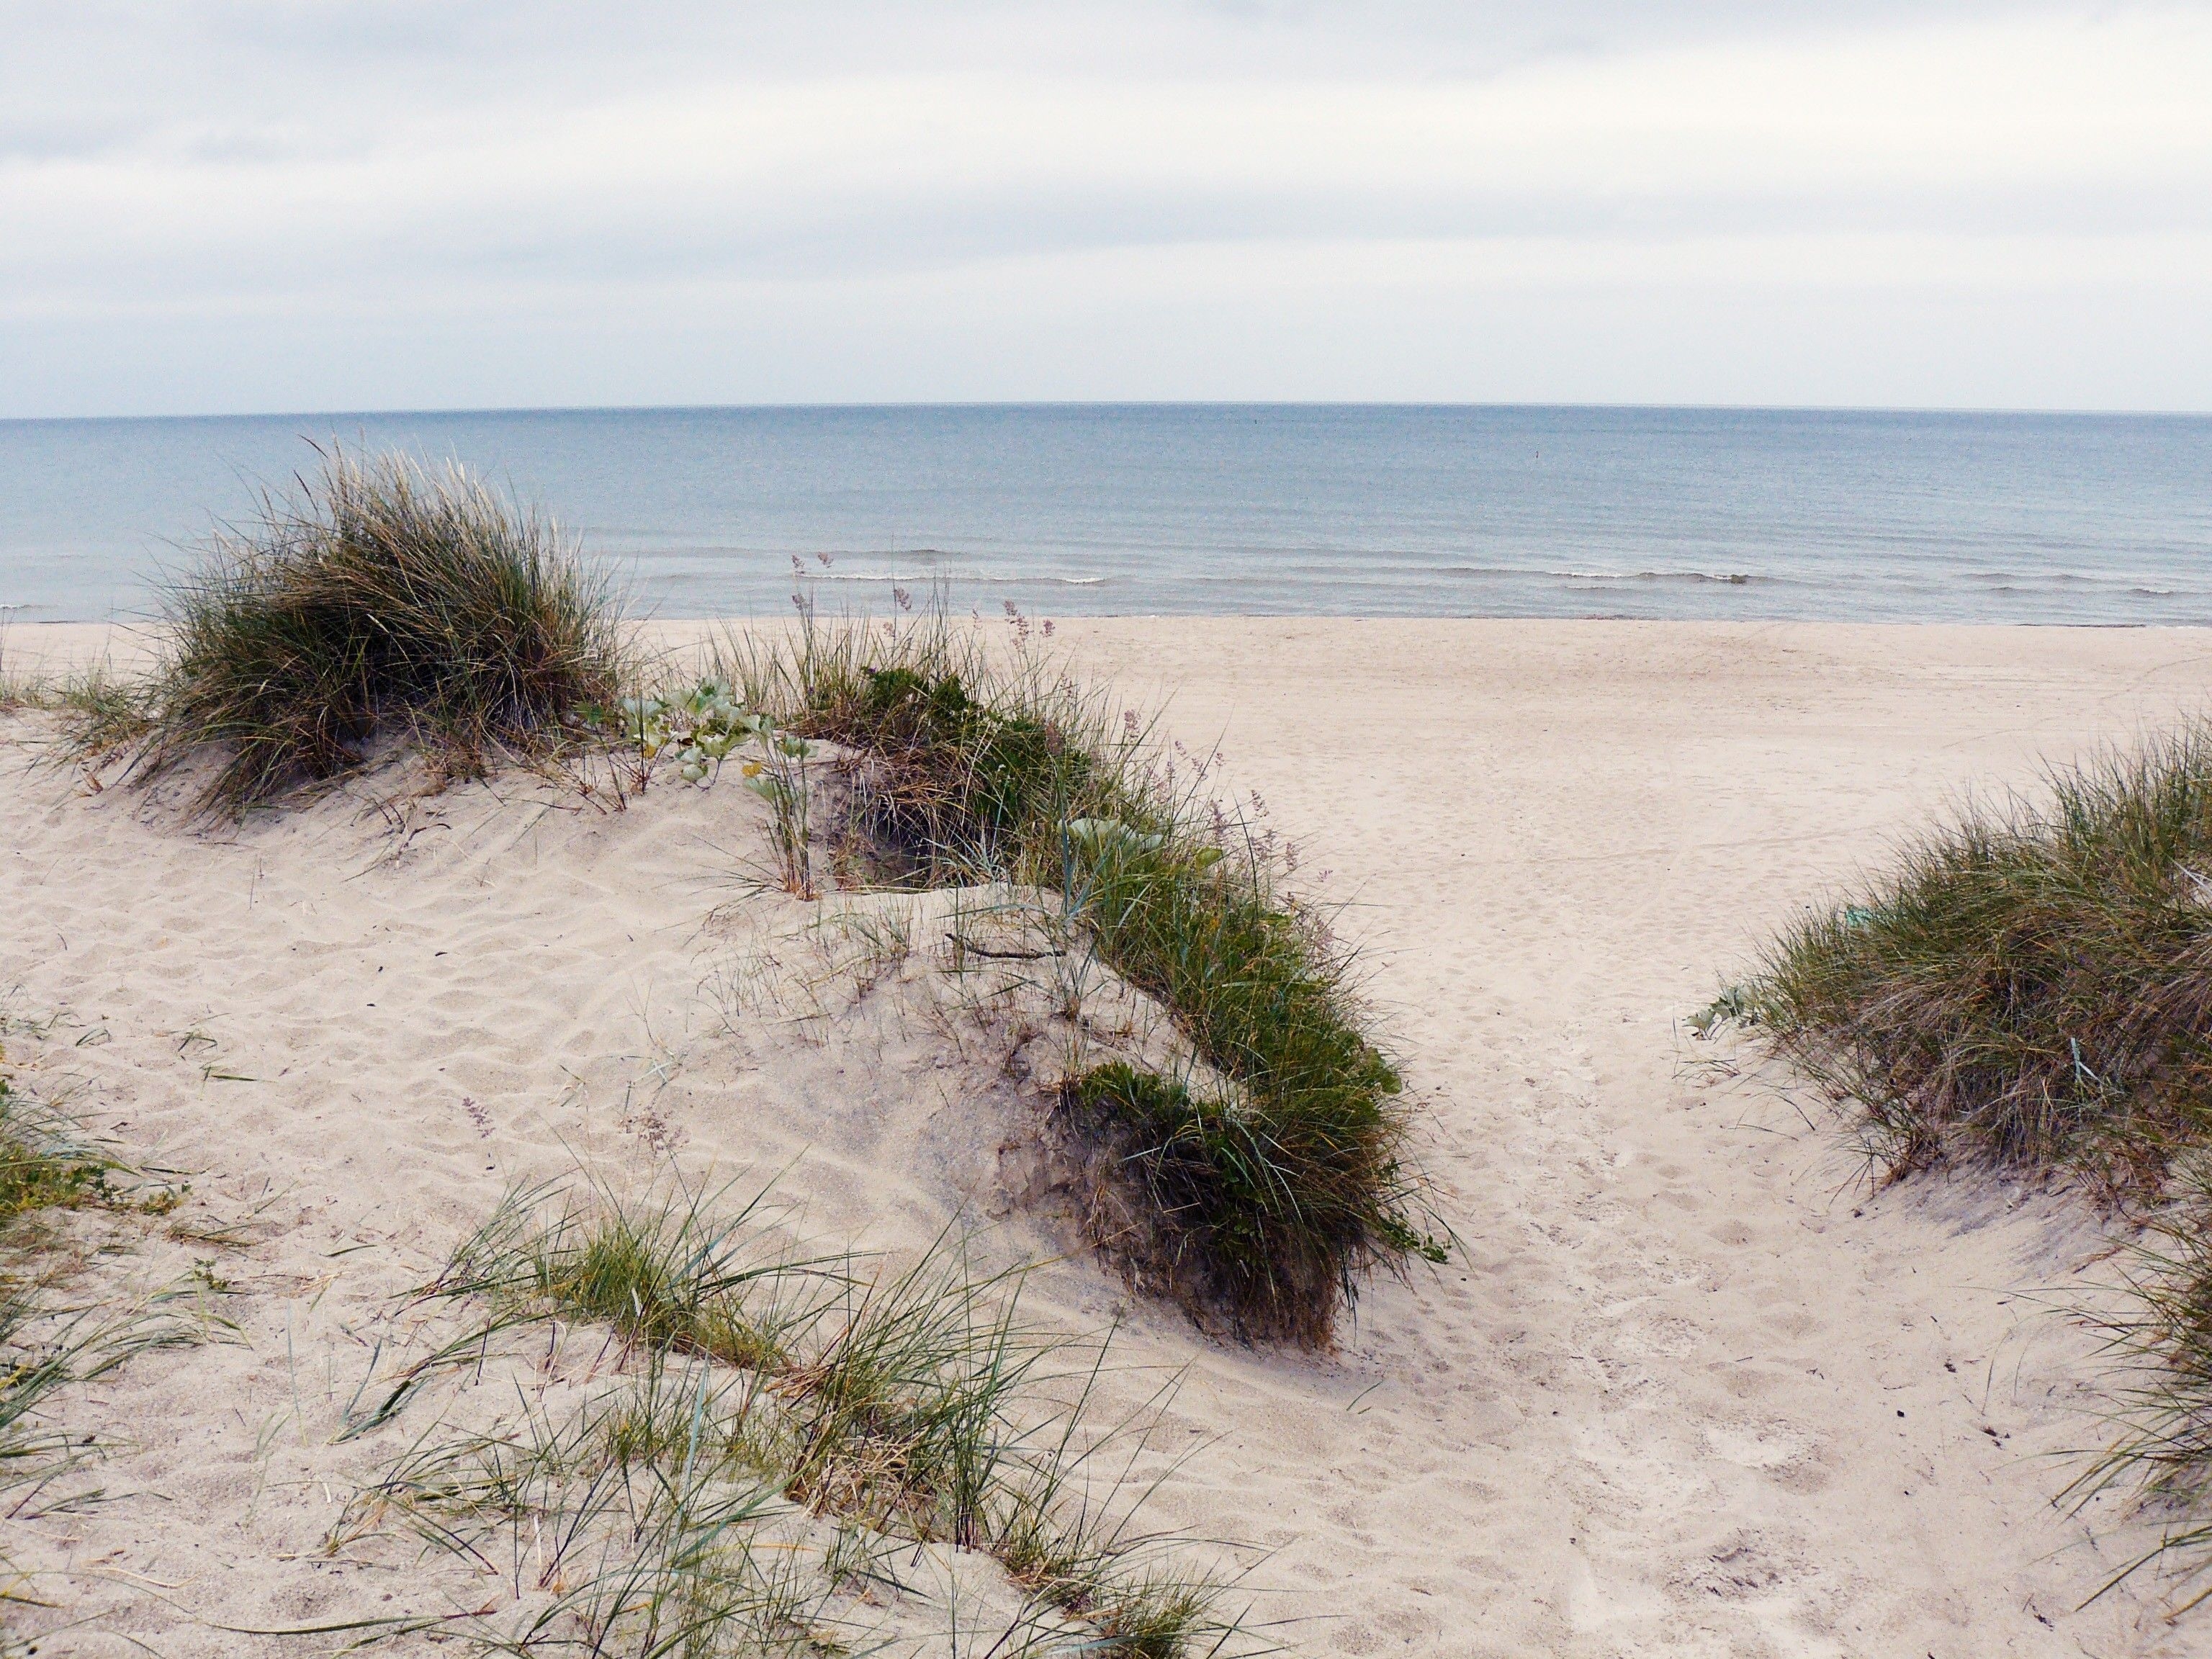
(311,204)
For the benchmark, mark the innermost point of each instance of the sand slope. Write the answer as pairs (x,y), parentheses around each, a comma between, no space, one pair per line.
(1694,1389)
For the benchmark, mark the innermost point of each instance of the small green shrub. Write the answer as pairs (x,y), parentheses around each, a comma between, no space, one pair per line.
(383,600)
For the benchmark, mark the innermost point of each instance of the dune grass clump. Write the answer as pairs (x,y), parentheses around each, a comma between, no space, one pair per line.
(1272,1194)
(1264,1201)
(665,1274)
(102,710)
(381,600)
(966,767)
(51,1339)
(44,1167)
(956,785)
(2029,989)
(2162,1458)
(674,1507)
(18,688)
(622,1525)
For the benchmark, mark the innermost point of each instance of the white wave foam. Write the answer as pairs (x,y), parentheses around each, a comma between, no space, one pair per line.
(1726,577)
(956,574)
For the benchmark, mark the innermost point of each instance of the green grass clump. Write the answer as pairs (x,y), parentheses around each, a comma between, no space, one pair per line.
(963,765)
(666,1275)
(895,1409)
(957,784)
(626,1524)
(1274,1194)
(382,600)
(960,777)
(1265,1211)
(2162,1456)
(18,688)
(47,1164)
(103,710)
(46,1341)
(905,1416)
(43,1168)
(657,1514)
(2031,989)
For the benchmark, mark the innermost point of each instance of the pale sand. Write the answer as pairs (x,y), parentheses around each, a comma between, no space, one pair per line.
(1695,1389)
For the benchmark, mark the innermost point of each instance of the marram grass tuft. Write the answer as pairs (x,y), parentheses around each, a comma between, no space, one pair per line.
(684,1503)
(2030,991)
(382,599)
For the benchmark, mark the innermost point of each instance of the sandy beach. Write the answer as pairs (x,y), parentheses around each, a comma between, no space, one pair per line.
(1694,1388)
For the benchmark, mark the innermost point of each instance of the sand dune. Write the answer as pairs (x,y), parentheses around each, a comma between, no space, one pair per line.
(1694,1388)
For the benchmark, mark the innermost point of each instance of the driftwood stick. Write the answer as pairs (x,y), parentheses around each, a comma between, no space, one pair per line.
(962,942)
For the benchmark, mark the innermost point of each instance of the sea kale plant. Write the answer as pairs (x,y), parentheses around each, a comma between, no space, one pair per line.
(700,729)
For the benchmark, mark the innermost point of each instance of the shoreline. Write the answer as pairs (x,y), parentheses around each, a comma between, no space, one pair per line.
(77,642)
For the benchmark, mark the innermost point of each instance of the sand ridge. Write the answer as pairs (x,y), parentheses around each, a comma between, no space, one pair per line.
(1693,1389)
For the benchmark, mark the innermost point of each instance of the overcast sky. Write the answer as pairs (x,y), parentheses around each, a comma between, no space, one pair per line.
(224,205)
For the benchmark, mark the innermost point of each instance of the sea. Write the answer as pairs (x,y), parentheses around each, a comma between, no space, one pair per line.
(1226,509)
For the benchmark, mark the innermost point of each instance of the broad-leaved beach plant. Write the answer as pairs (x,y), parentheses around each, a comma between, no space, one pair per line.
(698,730)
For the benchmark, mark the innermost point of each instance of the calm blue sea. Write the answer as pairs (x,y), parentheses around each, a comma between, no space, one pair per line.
(1354,510)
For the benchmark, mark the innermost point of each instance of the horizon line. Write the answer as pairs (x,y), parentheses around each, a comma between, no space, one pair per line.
(463,411)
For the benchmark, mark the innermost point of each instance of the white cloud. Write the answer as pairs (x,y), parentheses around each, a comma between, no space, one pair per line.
(864,191)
